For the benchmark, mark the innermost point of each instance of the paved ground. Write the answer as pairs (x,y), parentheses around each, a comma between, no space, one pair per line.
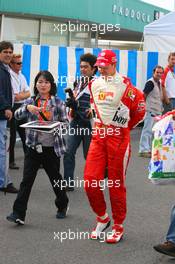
(146,223)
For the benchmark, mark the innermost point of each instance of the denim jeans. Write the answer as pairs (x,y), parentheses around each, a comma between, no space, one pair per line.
(15,127)
(146,135)
(171,231)
(73,142)
(4,154)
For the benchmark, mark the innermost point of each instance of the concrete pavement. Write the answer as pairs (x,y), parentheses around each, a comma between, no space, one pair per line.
(146,224)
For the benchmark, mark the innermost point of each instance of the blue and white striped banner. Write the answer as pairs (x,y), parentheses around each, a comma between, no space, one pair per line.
(63,63)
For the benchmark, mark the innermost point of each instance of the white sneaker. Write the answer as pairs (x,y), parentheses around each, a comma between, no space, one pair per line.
(116,235)
(101,226)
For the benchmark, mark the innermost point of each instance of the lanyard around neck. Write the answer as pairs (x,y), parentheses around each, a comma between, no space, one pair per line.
(41,116)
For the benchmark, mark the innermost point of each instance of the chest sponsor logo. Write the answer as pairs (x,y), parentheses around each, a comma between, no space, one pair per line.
(105,96)
(119,117)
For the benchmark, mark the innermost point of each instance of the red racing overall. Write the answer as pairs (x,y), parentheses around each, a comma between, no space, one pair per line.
(117,107)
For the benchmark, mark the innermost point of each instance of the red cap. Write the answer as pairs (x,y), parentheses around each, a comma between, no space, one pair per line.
(105,58)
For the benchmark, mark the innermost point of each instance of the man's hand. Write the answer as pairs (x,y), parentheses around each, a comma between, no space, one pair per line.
(8,114)
(167,100)
(21,96)
(34,109)
(18,97)
(89,113)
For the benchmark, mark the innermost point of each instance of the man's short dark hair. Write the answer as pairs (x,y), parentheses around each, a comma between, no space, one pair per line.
(158,67)
(6,45)
(171,54)
(88,57)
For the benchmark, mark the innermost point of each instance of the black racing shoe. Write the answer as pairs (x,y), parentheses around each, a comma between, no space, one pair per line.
(167,248)
(15,218)
(62,213)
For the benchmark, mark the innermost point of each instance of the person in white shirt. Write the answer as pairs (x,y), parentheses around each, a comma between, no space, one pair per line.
(168,84)
(21,92)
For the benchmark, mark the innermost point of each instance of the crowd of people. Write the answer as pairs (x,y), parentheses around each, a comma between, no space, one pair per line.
(109,102)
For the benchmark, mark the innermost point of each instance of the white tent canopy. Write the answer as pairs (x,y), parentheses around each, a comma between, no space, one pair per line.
(160,34)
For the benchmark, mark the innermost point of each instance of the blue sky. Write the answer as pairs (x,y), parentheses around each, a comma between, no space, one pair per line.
(167,4)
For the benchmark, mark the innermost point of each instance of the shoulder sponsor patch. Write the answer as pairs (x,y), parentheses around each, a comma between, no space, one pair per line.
(131,94)
(141,106)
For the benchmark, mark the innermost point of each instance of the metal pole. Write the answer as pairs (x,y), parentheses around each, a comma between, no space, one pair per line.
(2,28)
(40,29)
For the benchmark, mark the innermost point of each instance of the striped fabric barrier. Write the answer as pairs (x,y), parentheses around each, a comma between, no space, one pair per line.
(63,63)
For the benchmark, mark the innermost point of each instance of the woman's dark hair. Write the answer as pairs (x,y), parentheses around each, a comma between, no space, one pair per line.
(49,77)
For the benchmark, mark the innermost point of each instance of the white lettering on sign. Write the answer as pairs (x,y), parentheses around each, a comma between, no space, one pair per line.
(138,15)
(148,19)
(127,12)
(120,11)
(114,8)
(143,17)
(131,13)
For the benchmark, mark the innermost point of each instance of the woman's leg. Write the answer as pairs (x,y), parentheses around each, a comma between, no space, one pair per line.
(32,162)
(51,164)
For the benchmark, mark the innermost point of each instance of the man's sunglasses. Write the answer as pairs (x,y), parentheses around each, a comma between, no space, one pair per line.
(18,63)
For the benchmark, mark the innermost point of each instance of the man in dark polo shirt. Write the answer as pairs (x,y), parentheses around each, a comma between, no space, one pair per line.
(6,52)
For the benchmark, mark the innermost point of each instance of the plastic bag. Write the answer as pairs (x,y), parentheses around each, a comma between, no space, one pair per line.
(162,164)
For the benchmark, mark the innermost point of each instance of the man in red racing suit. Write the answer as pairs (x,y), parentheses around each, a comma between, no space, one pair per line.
(117,107)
